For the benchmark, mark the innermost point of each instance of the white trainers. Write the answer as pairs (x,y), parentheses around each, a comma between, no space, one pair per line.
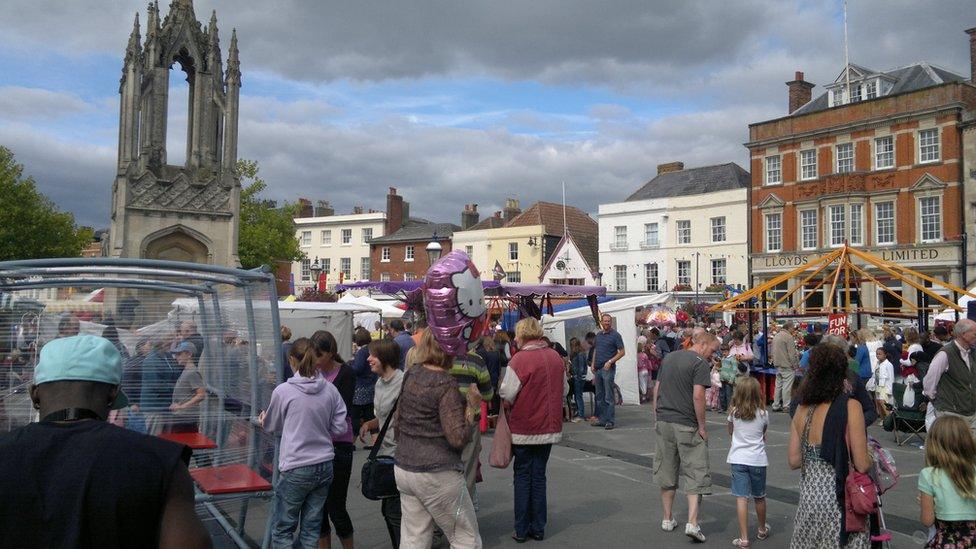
(669,525)
(694,532)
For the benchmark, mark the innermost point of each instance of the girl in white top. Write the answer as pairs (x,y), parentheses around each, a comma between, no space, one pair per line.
(747,423)
(883,382)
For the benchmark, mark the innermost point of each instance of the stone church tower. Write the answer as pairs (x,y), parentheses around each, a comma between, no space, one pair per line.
(187,212)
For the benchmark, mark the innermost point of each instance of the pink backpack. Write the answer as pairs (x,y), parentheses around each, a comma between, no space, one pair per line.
(885,474)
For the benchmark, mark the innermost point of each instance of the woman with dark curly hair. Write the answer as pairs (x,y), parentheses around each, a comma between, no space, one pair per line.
(818,446)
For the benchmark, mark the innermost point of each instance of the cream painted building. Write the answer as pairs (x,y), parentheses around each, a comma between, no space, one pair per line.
(522,243)
(341,245)
(682,228)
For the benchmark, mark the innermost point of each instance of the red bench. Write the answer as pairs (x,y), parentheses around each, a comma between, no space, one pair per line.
(196,441)
(229,479)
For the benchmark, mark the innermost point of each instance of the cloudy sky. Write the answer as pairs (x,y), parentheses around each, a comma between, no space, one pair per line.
(455,102)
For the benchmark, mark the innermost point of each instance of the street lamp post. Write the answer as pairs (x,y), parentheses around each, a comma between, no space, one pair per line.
(316,269)
(434,250)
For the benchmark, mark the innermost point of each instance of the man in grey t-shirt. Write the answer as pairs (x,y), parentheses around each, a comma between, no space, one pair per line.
(681,441)
(189,391)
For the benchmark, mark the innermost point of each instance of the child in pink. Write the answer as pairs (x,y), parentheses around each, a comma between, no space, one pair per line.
(711,394)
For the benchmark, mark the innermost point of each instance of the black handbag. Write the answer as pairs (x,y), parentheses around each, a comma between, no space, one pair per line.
(378,481)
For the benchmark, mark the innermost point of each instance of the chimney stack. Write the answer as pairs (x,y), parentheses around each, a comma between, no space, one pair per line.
(469,217)
(670,167)
(801,90)
(356,210)
(511,209)
(972,54)
(394,212)
(305,207)
(324,209)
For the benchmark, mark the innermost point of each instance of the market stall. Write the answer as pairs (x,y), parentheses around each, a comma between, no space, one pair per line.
(830,288)
(564,325)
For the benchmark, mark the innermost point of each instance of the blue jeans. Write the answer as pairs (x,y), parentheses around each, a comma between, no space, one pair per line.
(598,397)
(530,488)
(578,396)
(725,395)
(605,393)
(300,497)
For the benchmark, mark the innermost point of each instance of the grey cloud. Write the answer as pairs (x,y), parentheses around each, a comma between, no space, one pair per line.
(636,45)
(77,176)
(440,169)
(20,103)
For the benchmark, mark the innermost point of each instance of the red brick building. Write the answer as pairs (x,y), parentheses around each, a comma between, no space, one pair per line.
(875,161)
(401,254)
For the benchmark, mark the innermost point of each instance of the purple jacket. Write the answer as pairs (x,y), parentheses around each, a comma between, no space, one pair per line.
(309,413)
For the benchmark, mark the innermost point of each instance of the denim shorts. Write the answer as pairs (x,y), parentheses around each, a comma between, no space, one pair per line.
(748,481)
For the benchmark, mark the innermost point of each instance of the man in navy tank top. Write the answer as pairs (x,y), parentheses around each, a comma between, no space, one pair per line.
(74,480)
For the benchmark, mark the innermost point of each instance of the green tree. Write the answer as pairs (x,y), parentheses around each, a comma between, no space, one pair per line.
(31,227)
(267,233)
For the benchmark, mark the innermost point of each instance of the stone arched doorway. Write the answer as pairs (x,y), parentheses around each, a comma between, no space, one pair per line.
(177,244)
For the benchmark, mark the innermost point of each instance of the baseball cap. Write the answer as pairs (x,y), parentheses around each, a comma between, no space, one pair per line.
(185,347)
(81,358)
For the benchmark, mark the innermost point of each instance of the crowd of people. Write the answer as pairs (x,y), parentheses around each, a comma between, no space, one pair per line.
(434,400)
(833,391)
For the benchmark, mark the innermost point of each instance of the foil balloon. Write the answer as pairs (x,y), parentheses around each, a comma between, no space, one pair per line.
(454,301)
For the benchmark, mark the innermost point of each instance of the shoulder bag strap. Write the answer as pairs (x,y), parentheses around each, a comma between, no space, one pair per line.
(386,425)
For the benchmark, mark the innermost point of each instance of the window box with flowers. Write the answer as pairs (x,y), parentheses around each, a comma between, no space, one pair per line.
(682,288)
(715,288)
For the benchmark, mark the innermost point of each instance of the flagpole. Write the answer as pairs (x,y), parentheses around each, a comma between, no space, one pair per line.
(565,224)
(847,59)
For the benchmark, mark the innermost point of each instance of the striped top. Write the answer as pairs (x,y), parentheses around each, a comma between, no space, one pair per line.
(469,369)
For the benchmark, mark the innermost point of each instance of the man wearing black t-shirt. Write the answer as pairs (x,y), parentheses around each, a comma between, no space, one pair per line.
(933,342)
(73,480)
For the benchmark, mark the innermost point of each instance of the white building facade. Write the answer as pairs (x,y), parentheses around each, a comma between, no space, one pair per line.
(684,230)
(341,245)
(569,265)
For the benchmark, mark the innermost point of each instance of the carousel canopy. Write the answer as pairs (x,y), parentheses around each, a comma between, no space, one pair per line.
(842,271)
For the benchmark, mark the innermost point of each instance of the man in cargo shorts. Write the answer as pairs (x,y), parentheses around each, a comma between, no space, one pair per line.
(681,440)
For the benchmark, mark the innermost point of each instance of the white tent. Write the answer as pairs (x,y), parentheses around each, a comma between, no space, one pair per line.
(305,317)
(386,309)
(950,314)
(576,322)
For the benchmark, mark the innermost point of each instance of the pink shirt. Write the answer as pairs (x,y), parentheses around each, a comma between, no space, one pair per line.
(744,349)
(939,365)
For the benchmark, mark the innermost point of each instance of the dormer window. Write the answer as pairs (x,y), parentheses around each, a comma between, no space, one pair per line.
(870,90)
(855,93)
(837,97)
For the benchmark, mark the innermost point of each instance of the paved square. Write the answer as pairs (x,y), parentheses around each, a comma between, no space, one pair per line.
(602,496)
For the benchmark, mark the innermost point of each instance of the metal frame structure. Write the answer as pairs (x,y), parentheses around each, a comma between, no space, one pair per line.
(189,279)
(838,267)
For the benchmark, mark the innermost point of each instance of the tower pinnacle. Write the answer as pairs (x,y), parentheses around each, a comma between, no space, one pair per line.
(233,61)
(152,23)
(134,47)
(212,31)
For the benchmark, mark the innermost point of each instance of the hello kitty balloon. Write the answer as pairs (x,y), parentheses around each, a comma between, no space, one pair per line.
(454,301)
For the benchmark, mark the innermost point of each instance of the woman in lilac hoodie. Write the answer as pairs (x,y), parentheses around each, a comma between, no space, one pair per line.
(308,412)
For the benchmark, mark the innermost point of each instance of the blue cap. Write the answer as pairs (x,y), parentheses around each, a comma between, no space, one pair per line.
(81,358)
(185,347)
